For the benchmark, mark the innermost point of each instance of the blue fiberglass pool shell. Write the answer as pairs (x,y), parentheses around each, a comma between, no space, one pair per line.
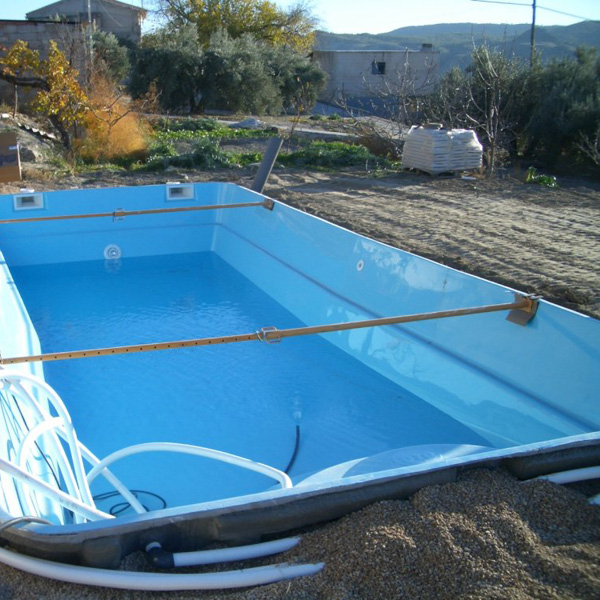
(325,423)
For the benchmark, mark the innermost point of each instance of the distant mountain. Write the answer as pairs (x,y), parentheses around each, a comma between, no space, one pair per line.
(469,29)
(455,40)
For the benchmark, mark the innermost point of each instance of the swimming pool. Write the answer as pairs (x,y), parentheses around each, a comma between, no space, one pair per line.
(350,415)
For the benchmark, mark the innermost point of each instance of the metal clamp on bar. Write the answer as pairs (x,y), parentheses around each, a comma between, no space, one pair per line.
(524,314)
(269,204)
(118,215)
(269,334)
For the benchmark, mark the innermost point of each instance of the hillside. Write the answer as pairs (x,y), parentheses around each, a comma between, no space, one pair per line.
(455,40)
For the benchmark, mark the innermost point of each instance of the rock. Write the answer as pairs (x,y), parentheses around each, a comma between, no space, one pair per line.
(249,123)
(26,154)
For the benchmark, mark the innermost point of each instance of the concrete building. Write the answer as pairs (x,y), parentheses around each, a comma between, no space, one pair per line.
(66,22)
(68,37)
(357,77)
(38,33)
(124,20)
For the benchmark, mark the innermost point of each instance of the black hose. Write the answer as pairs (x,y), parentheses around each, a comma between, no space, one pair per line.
(119,507)
(295,454)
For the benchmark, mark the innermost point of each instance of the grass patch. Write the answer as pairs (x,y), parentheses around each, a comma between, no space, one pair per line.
(203,128)
(332,155)
(206,154)
(196,144)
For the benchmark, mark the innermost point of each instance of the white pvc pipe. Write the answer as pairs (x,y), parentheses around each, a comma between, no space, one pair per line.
(13,380)
(57,423)
(114,481)
(73,504)
(573,475)
(23,453)
(159,582)
(32,435)
(209,557)
(233,459)
(16,378)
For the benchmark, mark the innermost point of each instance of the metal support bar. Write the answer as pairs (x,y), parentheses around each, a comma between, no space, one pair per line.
(119,213)
(266,165)
(272,334)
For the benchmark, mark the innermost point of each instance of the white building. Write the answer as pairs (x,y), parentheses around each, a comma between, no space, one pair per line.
(371,74)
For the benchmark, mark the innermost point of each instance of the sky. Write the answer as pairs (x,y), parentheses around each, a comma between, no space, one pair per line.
(379,16)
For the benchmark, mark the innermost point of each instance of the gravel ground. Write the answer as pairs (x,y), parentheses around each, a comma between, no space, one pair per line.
(486,535)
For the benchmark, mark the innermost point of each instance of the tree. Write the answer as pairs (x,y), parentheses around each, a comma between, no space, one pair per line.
(169,60)
(260,18)
(111,59)
(566,105)
(20,66)
(299,79)
(60,97)
(236,74)
(113,131)
(450,101)
(493,93)
(487,97)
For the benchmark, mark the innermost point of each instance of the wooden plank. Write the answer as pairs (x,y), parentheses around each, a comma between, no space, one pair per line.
(10,161)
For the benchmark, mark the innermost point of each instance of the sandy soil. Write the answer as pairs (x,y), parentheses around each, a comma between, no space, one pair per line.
(487,535)
(539,240)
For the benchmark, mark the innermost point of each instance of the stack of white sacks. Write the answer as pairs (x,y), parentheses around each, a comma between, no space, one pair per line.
(436,150)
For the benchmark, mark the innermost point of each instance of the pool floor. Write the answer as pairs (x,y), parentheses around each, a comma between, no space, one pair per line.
(244,398)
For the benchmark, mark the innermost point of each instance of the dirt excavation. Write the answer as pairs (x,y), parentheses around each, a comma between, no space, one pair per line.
(486,535)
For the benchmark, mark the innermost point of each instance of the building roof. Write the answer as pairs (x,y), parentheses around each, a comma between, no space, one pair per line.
(377,51)
(55,8)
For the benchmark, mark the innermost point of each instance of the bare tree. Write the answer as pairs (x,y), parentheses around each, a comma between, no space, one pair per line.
(492,95)
(394,100)
(589,146)
(485,97)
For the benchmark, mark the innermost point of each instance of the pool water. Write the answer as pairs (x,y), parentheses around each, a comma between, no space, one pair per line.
(244,398)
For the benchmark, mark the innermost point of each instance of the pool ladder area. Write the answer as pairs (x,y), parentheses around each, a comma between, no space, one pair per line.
(49,452)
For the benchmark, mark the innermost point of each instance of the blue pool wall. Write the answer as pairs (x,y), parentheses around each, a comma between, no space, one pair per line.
(18,336)
(511,384)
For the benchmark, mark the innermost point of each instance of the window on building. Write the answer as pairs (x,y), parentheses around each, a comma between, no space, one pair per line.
(377,68)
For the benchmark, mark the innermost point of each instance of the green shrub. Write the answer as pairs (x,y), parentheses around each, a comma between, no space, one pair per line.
(246,158)
(206,154)
(241,75)
(532,176)
(329,155)
(220,132)
(190,124)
